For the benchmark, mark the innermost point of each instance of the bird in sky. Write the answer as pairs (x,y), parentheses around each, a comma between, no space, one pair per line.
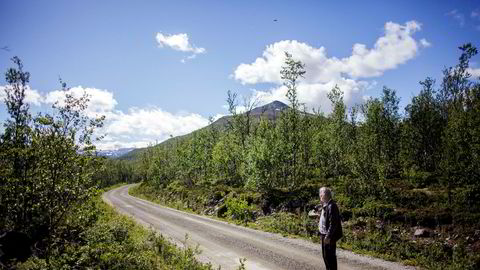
(5,48)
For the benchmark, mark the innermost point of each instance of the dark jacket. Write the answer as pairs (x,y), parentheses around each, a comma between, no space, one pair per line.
(332,221)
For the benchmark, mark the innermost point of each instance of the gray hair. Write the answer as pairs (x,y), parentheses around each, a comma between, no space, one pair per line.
(326,191)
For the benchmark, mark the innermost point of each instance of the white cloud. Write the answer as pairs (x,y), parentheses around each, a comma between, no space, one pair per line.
(140,127)
(475,72)
(394,48)
(459,17)
(314,95)
(100,101)
(134,128)
(32,96)
(188,58)
(239,109)
(179,42)
(425,43)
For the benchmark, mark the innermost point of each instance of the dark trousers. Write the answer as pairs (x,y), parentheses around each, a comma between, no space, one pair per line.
(329,254)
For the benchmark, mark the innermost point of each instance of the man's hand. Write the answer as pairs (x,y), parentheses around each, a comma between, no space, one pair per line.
(327,241)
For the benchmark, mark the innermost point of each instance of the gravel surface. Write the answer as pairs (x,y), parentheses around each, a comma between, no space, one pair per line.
(223,244)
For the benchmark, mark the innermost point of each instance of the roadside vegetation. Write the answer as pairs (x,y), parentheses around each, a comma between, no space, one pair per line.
(407,183)
(51,214)
(114,241)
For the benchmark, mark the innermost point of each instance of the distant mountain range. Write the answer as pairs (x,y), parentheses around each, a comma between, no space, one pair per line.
(271,111)
(114,153)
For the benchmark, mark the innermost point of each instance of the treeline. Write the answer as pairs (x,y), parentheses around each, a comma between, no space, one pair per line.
(114,171)
(364,152)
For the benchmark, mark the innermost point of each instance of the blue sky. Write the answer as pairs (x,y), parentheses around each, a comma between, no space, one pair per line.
(161,68)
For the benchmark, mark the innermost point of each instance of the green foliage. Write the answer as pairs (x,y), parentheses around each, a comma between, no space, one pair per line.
(116,242)
(227,157)
(288,224)
(375,209)
(422,130)
(238,209)
(261,159)
(290,73)
(47,163)
(460,101)
(116,171)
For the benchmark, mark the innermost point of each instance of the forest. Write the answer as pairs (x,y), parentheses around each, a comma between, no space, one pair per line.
(407,183)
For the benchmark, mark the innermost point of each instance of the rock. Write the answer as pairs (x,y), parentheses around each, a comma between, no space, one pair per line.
(313,214)
(379,224)
(422,232)
(209,211)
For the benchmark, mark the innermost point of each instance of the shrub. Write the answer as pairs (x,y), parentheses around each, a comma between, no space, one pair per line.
(287,223)
(239,209)
(116,242)
(373,208)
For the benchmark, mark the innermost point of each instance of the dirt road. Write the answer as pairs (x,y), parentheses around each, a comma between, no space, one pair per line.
(224,244)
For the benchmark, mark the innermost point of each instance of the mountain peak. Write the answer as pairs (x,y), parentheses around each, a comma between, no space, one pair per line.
(270,107)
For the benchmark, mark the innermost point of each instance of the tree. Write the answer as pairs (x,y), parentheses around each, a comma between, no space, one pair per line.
(16,155)
(337,134)
(378,143)
(240,123)
(47,163)
(459,99)
(262,166)
(422,130)
(228,159)
(289,125)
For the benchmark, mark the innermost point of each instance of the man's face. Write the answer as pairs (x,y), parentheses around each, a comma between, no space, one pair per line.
(322,197)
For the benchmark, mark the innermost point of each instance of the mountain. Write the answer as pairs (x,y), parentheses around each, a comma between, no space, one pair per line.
(114,153)
(271,111)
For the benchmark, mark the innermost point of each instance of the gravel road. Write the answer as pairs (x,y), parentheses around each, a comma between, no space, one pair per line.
(223,244)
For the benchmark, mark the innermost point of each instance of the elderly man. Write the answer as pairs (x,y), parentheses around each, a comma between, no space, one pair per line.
(329,226)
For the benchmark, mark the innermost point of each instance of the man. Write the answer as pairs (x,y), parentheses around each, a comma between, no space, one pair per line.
(330,227)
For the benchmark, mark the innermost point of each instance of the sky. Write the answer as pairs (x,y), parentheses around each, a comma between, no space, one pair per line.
(157,69)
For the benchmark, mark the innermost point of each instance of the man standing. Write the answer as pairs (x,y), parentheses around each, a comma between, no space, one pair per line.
(330,227)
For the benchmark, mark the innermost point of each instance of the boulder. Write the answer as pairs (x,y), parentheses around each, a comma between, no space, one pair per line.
(422,232)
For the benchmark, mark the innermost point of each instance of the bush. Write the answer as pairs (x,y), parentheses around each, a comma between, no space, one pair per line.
(377,209)
(287,223)
(239,209)
(116,242)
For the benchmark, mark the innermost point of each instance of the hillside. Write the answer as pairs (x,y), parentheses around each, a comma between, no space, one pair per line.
(271,111)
